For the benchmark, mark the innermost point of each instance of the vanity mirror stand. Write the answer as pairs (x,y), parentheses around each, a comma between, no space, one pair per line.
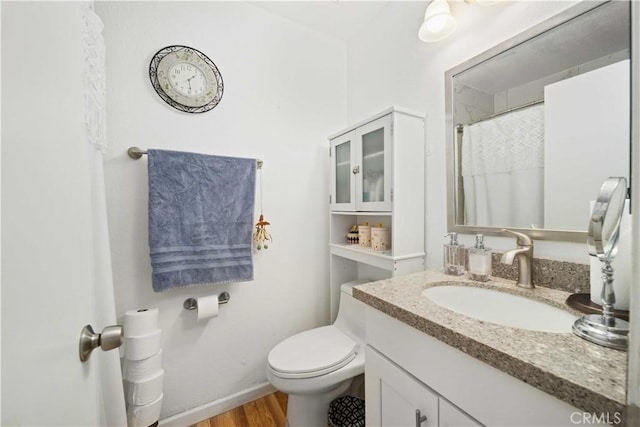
(602,242)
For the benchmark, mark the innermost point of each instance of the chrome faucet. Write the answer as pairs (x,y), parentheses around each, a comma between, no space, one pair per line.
(524,254)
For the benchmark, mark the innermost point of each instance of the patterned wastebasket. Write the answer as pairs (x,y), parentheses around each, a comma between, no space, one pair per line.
(346,411)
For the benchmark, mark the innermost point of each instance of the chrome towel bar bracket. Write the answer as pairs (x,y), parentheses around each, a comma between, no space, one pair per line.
(192,303)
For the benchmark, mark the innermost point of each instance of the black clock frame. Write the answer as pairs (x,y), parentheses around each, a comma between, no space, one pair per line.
(153,76)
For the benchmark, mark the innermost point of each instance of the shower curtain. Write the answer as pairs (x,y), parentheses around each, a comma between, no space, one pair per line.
(110,393)
(503,170)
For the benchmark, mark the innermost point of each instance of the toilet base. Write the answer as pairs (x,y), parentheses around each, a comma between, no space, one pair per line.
(310,410)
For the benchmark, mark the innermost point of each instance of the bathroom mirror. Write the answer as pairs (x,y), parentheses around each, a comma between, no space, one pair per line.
(535,124)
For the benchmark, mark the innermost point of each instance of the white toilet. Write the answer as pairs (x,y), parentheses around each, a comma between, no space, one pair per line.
(316,366)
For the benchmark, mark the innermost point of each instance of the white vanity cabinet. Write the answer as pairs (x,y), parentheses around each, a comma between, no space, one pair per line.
(407,370)
(452,416)
(396,398)
(377,176)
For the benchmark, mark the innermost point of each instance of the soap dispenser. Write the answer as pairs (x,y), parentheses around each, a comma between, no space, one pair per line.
(454,256)
(480,260)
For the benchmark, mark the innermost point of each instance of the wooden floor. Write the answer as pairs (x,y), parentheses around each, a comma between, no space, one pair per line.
(269,411)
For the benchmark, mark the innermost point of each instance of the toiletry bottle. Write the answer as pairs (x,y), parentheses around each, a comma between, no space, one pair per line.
(454,256)
(480,260)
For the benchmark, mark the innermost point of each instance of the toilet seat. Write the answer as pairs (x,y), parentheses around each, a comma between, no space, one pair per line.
(312,353)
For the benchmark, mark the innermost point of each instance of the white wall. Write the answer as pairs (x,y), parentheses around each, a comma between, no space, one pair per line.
(387,64)
(284,92)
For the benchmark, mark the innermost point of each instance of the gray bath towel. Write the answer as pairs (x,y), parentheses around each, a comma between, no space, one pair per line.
(200,218)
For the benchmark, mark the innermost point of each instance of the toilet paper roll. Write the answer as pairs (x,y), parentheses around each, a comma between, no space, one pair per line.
(138,370)
(142,347)
(140,322)
(621,266)
(144,415)
(144,392)
(208,307)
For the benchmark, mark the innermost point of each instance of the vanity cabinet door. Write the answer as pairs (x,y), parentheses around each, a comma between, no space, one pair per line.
(394,397)
(452,416)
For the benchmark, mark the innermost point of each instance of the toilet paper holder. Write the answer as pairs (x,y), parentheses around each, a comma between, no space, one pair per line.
(192,303)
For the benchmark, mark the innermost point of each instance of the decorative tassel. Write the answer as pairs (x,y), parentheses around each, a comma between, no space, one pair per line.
(261,236)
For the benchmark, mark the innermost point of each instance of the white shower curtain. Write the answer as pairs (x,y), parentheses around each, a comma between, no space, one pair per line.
(503,170)
(111,392)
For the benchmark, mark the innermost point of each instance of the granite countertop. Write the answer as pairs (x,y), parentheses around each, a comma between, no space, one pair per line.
(583,374)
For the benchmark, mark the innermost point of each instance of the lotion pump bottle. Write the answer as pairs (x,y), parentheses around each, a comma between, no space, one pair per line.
(454,256)
(480,260)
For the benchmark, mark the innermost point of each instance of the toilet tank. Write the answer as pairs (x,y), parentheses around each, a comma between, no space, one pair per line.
(351,312)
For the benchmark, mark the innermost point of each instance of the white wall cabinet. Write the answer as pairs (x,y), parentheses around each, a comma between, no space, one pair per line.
(361,168)
(377,176)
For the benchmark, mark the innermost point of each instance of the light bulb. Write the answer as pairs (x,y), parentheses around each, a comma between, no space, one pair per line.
(437,23)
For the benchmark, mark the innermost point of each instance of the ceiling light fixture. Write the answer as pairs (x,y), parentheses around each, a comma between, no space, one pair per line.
(438,22)
(482,2)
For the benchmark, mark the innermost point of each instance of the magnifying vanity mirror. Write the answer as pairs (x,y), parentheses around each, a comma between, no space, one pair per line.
(602,241)
(537,122)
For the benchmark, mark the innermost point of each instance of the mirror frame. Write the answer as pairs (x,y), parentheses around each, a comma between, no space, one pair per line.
(450,137)
(633,363)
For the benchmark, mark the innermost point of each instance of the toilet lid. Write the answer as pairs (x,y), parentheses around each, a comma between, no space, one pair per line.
(312,353)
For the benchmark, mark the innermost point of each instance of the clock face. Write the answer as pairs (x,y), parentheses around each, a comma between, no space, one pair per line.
(186,79)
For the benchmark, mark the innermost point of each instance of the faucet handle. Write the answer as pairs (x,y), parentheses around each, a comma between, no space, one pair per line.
(522,239)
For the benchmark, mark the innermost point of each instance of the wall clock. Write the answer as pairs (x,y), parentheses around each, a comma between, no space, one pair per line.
(186,79)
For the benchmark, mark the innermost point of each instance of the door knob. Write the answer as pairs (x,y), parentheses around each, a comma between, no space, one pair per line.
(110,338)
(356,169)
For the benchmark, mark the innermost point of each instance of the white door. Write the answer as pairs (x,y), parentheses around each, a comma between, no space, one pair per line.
(50,265)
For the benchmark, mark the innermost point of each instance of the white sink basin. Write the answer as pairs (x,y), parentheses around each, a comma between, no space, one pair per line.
(501,308)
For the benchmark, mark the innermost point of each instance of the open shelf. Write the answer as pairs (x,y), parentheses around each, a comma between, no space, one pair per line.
(361,213)
(364,255)
(384,260)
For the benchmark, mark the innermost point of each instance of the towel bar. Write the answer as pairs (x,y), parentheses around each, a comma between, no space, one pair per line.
(192,303)
(135,153)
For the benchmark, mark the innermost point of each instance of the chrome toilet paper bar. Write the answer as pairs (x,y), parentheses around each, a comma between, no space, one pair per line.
(192,303)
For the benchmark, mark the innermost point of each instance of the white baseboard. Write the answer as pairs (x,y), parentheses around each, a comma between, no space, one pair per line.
(211,409)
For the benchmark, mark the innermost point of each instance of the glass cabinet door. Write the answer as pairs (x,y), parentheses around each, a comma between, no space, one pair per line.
(343,173)
(373,152)
(373,166)
(342,170)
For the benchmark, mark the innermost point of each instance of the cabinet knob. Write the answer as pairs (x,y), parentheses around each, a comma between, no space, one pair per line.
(356,169)
(420,418)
